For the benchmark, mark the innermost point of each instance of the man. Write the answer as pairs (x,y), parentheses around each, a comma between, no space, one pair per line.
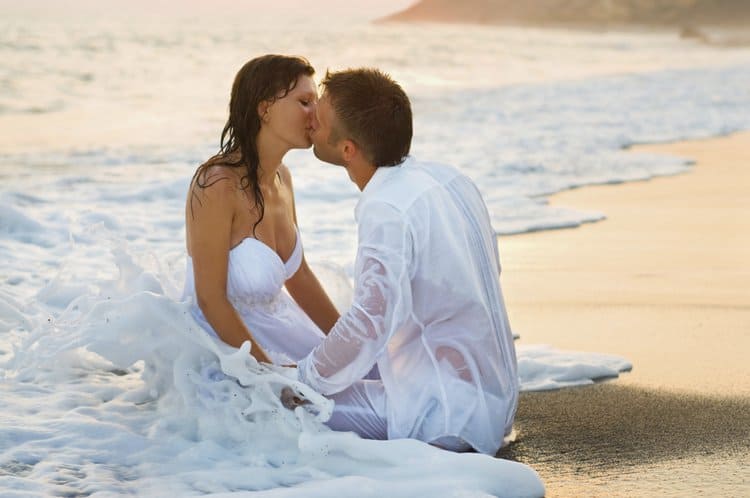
(425,351)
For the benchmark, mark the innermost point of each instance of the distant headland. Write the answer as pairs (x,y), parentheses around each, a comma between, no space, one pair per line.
(683,14)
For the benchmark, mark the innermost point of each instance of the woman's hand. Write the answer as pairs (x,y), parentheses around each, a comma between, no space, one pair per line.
(291,399)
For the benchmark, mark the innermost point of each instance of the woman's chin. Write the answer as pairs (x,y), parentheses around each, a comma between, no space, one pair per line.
(302,143)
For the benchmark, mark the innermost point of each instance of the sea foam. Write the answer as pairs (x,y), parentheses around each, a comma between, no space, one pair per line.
(123,392)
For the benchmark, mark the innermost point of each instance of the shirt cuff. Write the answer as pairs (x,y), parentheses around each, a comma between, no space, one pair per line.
(302,367)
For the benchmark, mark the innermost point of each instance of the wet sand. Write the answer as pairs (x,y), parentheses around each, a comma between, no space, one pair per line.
(665,282)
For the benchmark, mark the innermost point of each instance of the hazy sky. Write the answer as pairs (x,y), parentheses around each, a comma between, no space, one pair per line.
(315,11)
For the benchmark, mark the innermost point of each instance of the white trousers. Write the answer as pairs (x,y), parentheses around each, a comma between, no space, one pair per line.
(361,408)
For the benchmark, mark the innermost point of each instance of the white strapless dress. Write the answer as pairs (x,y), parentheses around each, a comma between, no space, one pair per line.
(255,286)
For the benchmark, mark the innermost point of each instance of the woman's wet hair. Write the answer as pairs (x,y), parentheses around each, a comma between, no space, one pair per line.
(373,111)
(266,78)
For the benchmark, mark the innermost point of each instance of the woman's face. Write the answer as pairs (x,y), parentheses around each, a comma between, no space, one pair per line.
(290,117)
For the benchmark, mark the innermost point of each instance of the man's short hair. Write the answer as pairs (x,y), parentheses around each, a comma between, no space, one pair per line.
(373,111)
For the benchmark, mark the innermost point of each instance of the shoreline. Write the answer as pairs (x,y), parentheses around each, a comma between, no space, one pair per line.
(661,281)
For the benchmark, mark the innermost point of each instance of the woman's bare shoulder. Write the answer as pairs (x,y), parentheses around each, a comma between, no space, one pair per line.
(216,167)
(215,187)
(217,175)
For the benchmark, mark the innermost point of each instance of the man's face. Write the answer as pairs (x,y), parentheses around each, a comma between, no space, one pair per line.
(322,124)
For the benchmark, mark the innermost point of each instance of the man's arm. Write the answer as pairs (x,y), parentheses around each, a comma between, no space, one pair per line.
(382,304)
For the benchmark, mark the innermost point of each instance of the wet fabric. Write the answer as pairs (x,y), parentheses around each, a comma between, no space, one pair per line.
(428,311)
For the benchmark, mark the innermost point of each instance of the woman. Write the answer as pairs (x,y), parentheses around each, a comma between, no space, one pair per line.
(242,239)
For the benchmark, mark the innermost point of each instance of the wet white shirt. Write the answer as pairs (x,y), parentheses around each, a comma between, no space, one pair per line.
(427,309)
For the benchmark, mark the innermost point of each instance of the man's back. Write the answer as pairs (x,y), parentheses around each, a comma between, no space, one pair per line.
(457,331)
(427,310)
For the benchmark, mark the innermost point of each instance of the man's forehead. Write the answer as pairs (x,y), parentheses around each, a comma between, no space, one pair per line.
(324,105)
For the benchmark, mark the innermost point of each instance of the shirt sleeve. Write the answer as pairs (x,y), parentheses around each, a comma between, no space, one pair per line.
(382,303)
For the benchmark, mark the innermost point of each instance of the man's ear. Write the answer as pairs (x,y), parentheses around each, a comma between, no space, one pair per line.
(349,150)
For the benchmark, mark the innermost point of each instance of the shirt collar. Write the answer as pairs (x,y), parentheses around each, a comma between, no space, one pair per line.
(382,174)
(378,178)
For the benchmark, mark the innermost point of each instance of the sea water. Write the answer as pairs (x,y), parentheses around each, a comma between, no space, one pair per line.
(109,387)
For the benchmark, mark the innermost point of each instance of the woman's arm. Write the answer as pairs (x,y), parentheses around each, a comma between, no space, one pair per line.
(304,286)
(210,212)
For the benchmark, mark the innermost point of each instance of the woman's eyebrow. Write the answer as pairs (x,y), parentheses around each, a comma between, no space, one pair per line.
(308,94)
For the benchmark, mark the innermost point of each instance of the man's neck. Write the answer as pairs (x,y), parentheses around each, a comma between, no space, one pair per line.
(360,172)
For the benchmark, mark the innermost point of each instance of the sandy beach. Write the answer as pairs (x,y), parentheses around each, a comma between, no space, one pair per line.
(662,281)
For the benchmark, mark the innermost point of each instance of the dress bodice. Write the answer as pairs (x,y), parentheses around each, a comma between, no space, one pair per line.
(255,286)
(256,273)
